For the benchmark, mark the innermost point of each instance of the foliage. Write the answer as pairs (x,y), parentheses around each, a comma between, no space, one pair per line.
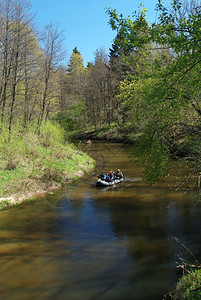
(28,66)
(74,119)
(131,34)
(188,286)
(76,62)
(51,134)
(4,204)
(153,154)
(165,89)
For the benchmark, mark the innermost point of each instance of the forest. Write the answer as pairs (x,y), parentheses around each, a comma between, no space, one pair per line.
(146,91)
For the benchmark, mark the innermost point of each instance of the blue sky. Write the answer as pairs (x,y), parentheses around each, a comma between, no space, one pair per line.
(85,22)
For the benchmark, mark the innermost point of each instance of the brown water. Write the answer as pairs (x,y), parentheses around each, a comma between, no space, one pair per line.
(110,243)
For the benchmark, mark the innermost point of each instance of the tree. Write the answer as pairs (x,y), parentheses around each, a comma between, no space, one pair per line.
(6,52)
(53,54)
(76,74)
(166,88)
(97,90)
(29,67)
(16,31)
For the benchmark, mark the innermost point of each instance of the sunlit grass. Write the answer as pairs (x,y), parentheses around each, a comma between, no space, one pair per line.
(30,162)
(189,286)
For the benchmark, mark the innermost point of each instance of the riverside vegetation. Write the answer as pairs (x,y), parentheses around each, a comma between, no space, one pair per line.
(31,164)
(189,287)
(34,154)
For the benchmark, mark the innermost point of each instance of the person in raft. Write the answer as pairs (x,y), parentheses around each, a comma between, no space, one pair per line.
(108,177)
(88,141)
(118,174)
(102,176)
(111,175)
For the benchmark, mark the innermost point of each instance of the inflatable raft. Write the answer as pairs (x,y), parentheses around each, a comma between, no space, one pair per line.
(101,182)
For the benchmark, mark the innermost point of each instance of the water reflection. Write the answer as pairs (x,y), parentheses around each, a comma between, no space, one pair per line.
(88,243)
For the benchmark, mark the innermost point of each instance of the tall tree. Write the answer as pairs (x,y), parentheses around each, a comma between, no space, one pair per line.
(53,54)
(75,78)
(16,21)
(97,90)
(167,84)
(7,51)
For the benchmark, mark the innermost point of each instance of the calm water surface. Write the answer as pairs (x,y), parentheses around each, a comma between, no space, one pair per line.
(110,243)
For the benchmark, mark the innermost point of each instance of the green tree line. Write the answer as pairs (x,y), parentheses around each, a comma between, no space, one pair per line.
(148,88)
(162,95)
(29,66)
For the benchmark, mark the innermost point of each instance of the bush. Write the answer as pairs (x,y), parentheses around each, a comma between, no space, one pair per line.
(4,204)
(12,152)
(51,134)
(189,287)
(73,119)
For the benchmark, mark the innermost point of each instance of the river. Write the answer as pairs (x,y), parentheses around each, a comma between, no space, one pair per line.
(83,242)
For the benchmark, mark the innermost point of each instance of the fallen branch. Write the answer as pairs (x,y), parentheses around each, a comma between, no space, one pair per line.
(189,266)
(196,289)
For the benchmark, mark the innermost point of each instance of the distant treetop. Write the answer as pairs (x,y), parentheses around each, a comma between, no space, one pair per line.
(75,51)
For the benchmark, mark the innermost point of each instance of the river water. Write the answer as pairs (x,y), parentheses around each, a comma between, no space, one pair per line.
(84,242)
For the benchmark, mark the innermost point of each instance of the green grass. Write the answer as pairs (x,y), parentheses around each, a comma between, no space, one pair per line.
(4,204)
(187,285)
(30,162)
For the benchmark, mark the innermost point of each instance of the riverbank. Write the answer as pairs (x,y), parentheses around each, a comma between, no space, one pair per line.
(111,133)
(39,188)
(180,148)
(31,164)
(188,287)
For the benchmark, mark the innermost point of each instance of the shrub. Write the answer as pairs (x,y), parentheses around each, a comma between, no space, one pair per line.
(51,134)
(4,204)
(189,286)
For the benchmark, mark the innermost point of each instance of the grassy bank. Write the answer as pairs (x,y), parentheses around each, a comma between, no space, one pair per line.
(112,133)
(189,287)
(32,163)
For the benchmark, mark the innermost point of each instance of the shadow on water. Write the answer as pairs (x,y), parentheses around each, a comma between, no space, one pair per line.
(84,242)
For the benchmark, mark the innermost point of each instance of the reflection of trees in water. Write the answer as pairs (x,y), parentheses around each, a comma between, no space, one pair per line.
(142,225)
(148,222)
(183,176)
